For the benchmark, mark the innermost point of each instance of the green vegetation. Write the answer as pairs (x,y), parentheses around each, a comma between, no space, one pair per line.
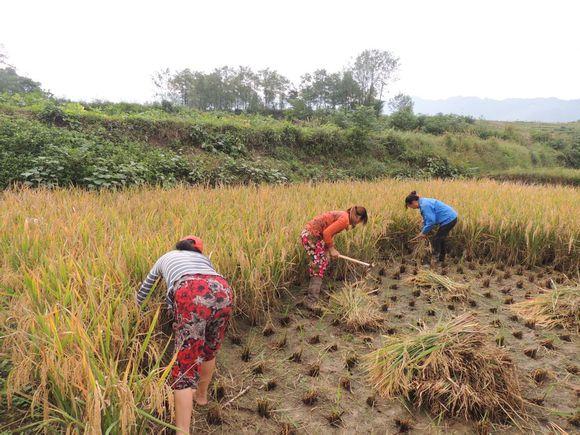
(238,126)
(361,83)
(564,137)
(540,175)
(44,142)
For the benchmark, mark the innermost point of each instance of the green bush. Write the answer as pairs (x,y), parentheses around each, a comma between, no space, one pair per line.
(393,143)
(404,120)
(440,124)
(39,155)
(52,113)
(241,171)
(428,166)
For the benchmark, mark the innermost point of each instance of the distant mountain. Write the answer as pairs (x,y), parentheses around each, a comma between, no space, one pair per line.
(512,109)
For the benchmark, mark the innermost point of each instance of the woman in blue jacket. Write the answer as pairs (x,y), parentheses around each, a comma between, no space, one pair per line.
(434,212)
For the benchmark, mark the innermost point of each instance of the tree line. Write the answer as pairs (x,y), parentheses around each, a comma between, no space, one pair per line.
(13,83)
(363,82)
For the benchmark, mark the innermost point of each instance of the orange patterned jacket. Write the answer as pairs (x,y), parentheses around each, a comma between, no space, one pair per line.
(327,225)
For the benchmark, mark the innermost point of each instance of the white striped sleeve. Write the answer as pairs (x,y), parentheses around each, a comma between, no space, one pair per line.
(152,277)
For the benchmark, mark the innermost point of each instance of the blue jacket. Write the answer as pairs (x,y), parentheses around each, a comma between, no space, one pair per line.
(435,212)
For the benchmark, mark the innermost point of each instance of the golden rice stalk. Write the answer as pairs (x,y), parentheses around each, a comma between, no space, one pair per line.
(439,286)
(557,308)
(449,369)
(422,249)
(354,308)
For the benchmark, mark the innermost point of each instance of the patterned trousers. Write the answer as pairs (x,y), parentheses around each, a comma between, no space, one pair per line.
(316,250)
(202,306)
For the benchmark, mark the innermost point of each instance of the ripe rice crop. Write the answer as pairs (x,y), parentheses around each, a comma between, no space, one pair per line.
(72,259)
(422,250)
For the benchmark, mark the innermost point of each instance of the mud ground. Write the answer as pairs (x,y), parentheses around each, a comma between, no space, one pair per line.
(303,356)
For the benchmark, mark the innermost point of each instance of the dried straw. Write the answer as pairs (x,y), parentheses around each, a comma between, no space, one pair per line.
(450,369)
(557,308)
(439,286)
(353,307)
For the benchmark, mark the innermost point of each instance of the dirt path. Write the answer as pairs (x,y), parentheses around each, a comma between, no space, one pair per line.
(306,356)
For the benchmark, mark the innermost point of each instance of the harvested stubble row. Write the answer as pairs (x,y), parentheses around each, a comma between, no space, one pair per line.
(72,259)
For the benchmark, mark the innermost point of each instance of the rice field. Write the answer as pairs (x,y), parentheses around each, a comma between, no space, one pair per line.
(81,357)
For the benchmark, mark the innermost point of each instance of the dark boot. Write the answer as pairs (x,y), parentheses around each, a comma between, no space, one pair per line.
(311,300)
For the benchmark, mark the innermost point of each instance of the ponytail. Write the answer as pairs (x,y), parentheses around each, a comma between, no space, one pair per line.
(361,212)
(411,197)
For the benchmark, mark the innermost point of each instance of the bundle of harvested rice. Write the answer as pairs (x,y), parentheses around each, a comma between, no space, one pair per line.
(353,307)
(439,286)
(557,308)
(422,249)
(450,369)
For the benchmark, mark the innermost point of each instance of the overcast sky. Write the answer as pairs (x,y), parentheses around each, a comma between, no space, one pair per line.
(85,49)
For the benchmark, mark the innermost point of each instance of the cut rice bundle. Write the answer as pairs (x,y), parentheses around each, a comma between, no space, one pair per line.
(422,249)
(354,308)
(439,286)
(450,369)
(557,308)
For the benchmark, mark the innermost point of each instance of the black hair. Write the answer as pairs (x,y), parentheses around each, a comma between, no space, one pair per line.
(186,245)
(361,212)
(411,197)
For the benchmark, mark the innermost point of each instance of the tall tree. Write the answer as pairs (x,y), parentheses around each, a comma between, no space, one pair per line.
(348,92)
(274,88)
(246,85)
(161,81)
(373,69)
(3,57)
(241,88)
(13,83)
(181,84)
(317,89)
(401,102)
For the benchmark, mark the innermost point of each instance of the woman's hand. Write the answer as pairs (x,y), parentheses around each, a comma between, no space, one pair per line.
(420,236)
(333,253)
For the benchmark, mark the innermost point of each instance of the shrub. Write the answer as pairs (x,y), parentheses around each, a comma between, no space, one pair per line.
(427,166)
(51,114)
(404,119)
(244,172)
(394,144)
(39,155)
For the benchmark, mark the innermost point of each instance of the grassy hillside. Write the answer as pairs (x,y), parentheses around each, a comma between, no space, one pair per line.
(563,137)
(112,145)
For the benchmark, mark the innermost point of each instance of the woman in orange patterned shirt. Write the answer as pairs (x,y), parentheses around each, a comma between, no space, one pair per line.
(317,239)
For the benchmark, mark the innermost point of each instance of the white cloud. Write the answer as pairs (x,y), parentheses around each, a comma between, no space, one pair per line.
(109,49)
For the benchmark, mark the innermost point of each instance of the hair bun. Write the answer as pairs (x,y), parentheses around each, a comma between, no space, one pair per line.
(414,192)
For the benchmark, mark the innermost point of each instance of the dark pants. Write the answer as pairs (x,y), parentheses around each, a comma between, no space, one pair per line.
(439,248)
